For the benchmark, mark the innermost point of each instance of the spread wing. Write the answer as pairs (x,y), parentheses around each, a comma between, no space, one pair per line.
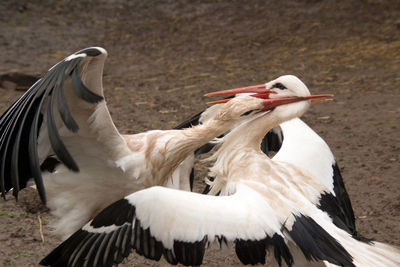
(304,148)
(62,117)
(179,225)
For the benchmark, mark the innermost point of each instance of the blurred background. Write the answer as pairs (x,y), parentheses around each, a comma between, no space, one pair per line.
(164,55)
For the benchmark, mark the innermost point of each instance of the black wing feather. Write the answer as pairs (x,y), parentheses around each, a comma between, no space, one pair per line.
(339,206)
(20,125)
(62,105)
(123,231)
(19,166)
(56,143)
(89,259)
(111,247)
(190,122)
(33,153)
(318,244)
(81,90)
(7,150)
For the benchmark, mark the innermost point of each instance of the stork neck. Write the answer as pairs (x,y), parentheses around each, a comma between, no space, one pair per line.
(175,145)
(203,133)
(250,134)
(260,126)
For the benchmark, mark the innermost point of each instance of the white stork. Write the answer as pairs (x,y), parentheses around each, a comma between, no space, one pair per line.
(63,118)
(263,204)
(301,145)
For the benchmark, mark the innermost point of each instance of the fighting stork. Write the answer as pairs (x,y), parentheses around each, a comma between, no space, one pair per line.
(303,146)
(263,204)
(63,118)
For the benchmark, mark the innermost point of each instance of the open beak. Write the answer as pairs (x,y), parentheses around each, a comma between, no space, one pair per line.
(260,91)
(260,88)
(271,103)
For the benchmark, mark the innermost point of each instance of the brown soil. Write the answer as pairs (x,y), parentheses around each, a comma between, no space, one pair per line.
(163,55)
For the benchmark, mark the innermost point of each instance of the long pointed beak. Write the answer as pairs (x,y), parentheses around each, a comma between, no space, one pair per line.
(263,95)
(260,88)
(258,91)
(271,103)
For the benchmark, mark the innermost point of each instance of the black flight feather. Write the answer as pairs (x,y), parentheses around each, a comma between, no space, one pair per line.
(339,206)
(81,90)
(91,248)
(281,250)
(62,105)
(20,167)
(73,259)
(318,244)
(7,120)
(190,253)
(33,152)
(190,122)
(55,140)
(251,251)
(89,259)
(100,252)
(20,125)
(7,150)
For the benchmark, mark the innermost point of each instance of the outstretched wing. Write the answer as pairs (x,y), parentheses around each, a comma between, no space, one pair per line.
(180,225)
(304,148)
(67,102)
(177,224)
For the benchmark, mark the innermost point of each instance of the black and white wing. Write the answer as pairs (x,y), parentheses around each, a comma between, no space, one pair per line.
(304,148)
(179,225)
(61,118)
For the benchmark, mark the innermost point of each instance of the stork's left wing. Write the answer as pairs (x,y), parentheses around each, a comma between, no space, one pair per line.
(304,148)
(62,118)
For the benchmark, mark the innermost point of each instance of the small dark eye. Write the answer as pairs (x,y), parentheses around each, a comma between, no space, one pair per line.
(246,113)
(279,86)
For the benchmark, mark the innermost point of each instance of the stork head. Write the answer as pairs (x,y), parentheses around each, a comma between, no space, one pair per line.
(291,88)
(287,96)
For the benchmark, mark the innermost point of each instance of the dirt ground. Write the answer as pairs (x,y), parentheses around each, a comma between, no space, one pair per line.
(164,55)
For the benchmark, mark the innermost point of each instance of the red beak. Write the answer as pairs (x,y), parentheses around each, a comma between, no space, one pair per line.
(260,91)
(260,88)
(272,103)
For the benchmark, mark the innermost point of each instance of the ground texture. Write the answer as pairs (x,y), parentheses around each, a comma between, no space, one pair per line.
(164,55)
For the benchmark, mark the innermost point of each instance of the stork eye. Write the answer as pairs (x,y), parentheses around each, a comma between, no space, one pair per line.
(279,86)
(247,113)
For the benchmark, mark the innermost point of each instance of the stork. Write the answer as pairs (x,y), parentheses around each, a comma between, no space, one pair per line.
(296,141)
(63,118)
(263,204)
